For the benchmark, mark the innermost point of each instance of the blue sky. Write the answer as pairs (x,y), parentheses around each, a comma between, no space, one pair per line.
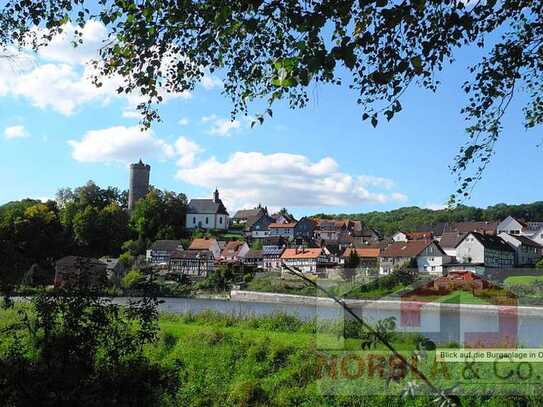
(57,131)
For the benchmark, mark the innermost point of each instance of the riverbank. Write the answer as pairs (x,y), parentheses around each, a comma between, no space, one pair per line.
(384,304)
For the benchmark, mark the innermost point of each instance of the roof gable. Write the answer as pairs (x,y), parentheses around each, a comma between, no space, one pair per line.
(411,248)
(489,242)
(206,206)
(203,244)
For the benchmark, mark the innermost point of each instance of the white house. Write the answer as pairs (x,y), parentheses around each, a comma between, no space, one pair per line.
(161,251)
(511,226)
(234,251)
(307,260)
(485,250)
(527,252)
(534,231)
(426,254)
(207,214)
(285,230)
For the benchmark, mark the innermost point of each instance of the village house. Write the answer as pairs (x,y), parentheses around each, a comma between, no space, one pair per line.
(333,250)
(329,229)
(483,227)
(511,226)
(80,272)
(114,268)
(307,260)
(449,241)
(304,229)
(486,251)
(241,217)
(234,251)
(369,256)
(345,231)
(257,227)
(192,263)
(527,252)
(207,214)
(253,258)
(161,250)
(362,235)
(285,230)
(208,244)
(283,217)
(426,255)
(271,256)
(532,230)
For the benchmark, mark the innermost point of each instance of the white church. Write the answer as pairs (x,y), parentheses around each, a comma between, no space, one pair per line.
(207,214)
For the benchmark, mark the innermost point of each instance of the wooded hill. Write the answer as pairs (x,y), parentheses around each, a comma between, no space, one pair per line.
(414,218)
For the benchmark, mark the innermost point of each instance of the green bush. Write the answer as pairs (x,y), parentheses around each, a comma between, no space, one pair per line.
(132,279)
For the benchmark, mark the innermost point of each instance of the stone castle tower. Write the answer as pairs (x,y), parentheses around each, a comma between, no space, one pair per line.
(138,183)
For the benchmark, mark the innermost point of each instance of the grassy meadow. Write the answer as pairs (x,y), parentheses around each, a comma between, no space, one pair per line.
(279,360)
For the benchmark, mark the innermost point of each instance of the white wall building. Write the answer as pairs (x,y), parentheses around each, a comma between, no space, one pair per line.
(511,226)
(207,214)
(527,252)
(485,250)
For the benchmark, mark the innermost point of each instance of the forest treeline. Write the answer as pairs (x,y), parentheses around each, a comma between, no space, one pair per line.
(413,218)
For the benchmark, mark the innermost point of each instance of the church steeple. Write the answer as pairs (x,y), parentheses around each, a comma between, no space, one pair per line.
(216,195)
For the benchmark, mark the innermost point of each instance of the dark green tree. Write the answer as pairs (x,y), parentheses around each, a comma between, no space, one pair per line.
(160,215)
(30,233)
(77,348)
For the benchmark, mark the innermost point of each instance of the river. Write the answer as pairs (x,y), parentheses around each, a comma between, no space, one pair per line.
(443,324)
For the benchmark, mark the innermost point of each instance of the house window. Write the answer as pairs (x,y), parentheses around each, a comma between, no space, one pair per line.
(207,220)
(194,220)
(220,220)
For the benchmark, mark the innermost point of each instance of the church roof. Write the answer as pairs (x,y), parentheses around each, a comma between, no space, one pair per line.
(206,206)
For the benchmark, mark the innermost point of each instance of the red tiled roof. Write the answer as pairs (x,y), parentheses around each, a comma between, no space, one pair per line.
(202,244)
(306,253)
(231,248)
(363,251)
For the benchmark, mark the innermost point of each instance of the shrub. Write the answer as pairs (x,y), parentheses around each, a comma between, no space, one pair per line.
(132,279)
(168,340)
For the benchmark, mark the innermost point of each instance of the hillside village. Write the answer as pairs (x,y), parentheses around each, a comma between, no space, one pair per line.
(261,241)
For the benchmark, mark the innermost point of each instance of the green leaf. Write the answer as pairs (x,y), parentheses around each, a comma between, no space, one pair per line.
(416,62)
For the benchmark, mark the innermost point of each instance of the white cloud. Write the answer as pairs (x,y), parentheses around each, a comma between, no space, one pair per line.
(284,179)
(184,121)
(435,206)
(60,49)
(14,132)
(120,144)
(60,87)
(219,126)
(187,150)
(210,82)
(60,77)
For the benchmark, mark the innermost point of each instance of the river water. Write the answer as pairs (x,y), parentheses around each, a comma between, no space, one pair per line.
(442,324)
